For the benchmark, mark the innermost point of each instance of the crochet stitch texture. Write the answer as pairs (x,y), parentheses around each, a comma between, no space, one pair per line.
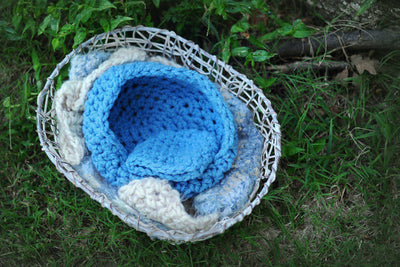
(146,119)
(70,99)
(232,193)
(84,64)
(157,200)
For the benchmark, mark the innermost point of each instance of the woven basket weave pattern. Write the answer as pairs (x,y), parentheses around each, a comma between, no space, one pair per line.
(168,45)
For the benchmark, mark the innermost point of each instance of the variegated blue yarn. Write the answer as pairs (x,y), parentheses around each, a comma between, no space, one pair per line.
(83,64)
(146,119)
(232,193)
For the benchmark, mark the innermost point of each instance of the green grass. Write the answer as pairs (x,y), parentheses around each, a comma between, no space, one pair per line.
(336,200)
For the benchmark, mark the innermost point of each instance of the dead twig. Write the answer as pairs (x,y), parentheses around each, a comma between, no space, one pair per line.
(306,65)
(322,44)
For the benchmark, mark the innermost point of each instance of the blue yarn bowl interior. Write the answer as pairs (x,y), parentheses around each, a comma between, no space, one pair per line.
(146,119)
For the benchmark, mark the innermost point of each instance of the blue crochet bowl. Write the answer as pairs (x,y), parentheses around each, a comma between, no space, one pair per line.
(146,119)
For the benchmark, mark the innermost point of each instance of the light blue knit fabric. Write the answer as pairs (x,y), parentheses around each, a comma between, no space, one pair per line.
(83,64)
(146,119)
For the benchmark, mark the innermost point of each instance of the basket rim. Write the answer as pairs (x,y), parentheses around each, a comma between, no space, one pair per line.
(70,173)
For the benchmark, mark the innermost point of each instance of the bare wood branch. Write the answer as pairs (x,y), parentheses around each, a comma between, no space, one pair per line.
(321,44)
(304,65)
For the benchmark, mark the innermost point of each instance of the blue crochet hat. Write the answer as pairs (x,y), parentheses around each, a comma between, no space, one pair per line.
(145,119)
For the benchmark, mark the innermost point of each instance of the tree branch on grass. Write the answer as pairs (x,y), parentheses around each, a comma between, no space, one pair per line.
(321,44)
(305,65)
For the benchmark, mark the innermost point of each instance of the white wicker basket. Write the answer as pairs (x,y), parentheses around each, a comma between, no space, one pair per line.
(157,42)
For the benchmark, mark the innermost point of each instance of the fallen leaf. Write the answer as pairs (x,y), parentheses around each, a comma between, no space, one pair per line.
(364,64)
(245,35)
(341,76)
(335,109)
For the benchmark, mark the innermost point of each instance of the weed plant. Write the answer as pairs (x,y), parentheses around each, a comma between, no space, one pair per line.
(336,197)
